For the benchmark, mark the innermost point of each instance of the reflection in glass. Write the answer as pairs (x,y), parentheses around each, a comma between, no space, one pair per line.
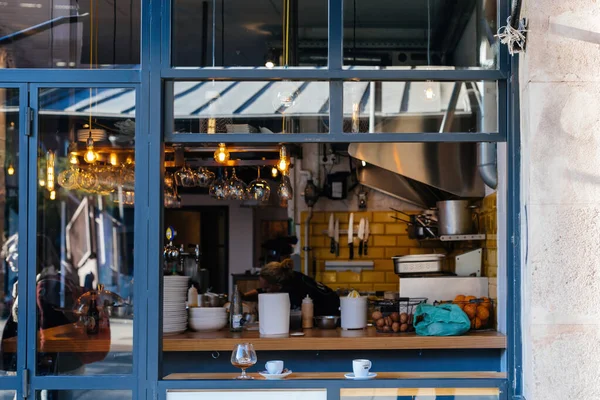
(259,33)
(83,394)
(85,231)
(9,220)
(251,107)
(404,34)
(7,395)
(74,34)
(416,107)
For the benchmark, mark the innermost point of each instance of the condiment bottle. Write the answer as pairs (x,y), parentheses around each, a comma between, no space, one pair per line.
(192,297)
(307,313)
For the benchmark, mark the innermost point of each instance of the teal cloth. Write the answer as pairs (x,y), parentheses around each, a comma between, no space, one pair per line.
(440,320)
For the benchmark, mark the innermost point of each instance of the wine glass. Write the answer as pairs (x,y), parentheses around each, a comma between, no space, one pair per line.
(243,357)
(259,189)
(236,187)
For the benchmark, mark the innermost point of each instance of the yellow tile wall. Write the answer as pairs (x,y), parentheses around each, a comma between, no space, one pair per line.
(388,238)
(488,223)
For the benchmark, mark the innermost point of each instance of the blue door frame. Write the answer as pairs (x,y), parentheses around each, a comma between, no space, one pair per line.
(153,107)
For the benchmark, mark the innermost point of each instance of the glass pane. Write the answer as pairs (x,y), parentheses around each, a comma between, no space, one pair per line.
(8,395)
(397,34)
(86,171)
(412,107)
(70,34)
(259,33)
(421,393)
(9,221)
(83,394)
(251,107)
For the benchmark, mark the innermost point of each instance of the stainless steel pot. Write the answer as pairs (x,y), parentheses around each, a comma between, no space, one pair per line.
(455,217)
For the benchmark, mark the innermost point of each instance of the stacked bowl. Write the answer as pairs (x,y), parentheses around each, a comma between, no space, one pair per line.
(203,319)
(174,309)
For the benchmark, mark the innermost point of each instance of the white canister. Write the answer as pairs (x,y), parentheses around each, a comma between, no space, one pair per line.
(354,312)
(274,314)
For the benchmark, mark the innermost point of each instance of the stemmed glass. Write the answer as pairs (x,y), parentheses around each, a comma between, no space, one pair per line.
(243,357)
(259,189)
(236,187)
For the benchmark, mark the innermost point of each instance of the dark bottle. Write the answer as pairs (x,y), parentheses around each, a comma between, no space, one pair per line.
(93,317)
(235,311)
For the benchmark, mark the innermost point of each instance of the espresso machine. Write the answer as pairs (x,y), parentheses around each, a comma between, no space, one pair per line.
(178,261)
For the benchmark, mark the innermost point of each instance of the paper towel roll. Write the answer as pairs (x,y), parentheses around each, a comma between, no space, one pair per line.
(274,314)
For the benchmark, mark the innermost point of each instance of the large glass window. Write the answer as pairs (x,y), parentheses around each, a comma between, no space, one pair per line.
(251,107)
(9,220)
(84,394)
(395,34)
(407,107)
(85,195)
(241,33)
(70,34)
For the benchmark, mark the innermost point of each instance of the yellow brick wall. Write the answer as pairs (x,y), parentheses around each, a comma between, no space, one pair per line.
(388,238)
(488,225)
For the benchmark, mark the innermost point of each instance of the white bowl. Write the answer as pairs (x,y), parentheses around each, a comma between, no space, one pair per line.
(203,325)
(207,311)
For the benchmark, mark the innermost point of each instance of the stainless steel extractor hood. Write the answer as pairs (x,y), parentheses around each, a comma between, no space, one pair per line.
(420,173)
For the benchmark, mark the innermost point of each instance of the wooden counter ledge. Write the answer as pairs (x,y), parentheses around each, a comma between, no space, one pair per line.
(316,339)
(340,375)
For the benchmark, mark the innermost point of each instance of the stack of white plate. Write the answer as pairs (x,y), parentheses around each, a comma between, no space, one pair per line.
(174,298)
(204,319)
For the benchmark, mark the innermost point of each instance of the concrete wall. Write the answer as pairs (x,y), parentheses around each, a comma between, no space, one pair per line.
(560,94)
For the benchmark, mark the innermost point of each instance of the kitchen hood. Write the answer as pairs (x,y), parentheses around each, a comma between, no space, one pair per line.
(420,173)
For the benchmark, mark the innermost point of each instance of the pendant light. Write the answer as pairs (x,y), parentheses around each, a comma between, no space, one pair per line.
(429,90)
(50,170)
(90,155)
(284,160)
(222,154)
(10,170)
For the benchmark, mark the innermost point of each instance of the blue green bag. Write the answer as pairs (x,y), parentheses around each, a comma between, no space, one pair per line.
(441,320)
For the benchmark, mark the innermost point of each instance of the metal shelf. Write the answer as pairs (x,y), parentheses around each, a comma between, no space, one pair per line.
(460,238)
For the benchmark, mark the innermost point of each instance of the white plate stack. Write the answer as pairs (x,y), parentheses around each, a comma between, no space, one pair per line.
(175,316)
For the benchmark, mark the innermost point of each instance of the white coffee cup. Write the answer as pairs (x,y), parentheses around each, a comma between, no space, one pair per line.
(361,368)
(274,367)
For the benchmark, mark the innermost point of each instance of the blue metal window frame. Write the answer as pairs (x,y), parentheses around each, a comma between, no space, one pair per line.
(152,107)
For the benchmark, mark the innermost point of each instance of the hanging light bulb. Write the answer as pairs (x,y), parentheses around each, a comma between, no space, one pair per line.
(221,154)
(50,170)
(73,153)
(42,177)
(284,160)
(364,163)
(10,170)
(90,156)
(113,159)
(274,172)
(53,195)
(429,91)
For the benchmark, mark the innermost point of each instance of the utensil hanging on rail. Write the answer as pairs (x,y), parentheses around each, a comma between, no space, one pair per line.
(351,236)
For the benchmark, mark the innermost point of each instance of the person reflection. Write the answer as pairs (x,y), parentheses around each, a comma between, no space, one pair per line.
(59,315)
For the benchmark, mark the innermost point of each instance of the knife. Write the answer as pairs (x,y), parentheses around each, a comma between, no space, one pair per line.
(366,239)
(336,237)
(330,233)
(361,236)
(351,236)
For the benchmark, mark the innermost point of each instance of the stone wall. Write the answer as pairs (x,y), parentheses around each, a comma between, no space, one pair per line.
(560,99)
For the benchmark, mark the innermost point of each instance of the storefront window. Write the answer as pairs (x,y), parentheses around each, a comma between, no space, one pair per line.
(84,284)
(9,220)
(395,34)
(83,394)
(251,107)
(76,34)
(407,107)
(239,33)
(7,395)
(421,394)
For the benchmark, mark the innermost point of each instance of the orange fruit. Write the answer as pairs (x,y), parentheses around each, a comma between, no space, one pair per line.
(485,301)
(483,312)
(470,310)
(477,323)
(469,298)
(459,298)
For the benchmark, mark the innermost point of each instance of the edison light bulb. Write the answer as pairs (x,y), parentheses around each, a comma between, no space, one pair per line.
(221,155)
(90,156)
(269,64)
(282,165)
(284,160)
(11,170)
(274,172)
(53,195)
(113,159)
(429,93)
(42,182)
(73,159)
(50,170)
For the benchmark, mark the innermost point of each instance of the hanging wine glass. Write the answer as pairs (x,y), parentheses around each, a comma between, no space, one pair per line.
(285,190)
(68,178)
(219,188)
(204,177)
(259,189)
(87,180)
(185,177)
(236,187)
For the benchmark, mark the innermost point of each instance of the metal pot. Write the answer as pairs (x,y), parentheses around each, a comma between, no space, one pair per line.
(327,321)
(455,217)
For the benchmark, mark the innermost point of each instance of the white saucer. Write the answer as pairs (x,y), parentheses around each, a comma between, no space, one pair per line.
(371,375)
(275,377)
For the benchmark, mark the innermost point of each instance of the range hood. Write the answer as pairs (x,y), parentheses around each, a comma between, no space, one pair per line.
(420,173)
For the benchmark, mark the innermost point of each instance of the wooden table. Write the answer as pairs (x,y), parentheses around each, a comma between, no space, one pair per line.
(317,339)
